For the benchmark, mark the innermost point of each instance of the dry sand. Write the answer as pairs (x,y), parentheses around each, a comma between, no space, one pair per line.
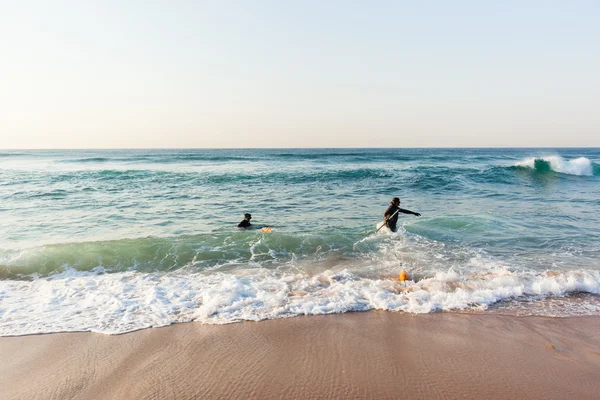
(357,355)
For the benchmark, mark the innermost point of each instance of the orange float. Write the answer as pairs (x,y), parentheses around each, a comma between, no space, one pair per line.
(403,276)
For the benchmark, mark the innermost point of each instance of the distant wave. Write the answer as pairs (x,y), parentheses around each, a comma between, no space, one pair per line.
(186,158)
(159,159)
(11,154)
(220,178)
(324,156)
(87,160)
(581,166)
(338,156)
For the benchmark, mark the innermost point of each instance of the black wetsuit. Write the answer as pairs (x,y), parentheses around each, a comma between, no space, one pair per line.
(244,224)
(392,208)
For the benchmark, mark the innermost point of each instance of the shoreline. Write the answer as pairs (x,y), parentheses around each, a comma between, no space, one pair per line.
(451,312)
(374,354)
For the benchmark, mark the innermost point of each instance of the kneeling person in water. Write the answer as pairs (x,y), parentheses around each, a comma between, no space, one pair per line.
(246,221)
(390,216)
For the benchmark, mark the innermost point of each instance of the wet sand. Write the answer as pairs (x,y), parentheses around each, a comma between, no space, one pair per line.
(356,355)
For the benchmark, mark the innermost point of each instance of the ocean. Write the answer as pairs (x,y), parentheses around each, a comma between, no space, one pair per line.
(113,241)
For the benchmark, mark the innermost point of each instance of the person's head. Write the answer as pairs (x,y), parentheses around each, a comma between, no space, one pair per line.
(396,201)
(247,216)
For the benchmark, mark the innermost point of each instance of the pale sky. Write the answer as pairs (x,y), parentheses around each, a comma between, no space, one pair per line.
(122,74)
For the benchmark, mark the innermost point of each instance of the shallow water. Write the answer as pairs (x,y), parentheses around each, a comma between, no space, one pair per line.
(112,241)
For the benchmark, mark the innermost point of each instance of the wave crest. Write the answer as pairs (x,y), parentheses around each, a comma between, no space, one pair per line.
(581,166)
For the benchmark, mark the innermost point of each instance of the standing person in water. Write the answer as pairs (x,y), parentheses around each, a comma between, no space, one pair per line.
(246,221)
(390,217)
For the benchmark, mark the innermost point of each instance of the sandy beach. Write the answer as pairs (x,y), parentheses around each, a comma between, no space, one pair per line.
(355,355)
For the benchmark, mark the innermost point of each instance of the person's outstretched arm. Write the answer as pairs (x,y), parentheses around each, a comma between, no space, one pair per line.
(404,211)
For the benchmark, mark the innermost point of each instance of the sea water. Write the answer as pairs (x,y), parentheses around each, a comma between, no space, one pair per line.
(117,240)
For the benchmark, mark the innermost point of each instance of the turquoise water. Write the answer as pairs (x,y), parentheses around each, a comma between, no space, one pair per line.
(116,240)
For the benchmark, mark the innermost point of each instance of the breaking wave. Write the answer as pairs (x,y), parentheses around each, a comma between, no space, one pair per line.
(581,166)
(127,301)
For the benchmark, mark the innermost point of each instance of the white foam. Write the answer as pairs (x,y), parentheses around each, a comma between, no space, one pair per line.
(577,166)
(122,302)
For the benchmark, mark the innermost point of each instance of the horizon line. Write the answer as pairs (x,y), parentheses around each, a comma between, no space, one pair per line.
(297,148)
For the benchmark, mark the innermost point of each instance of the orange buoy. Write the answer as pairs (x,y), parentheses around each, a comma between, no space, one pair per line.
(266,229)
(403,276)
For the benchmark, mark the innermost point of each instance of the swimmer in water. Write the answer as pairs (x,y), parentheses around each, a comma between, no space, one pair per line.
(390,217)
